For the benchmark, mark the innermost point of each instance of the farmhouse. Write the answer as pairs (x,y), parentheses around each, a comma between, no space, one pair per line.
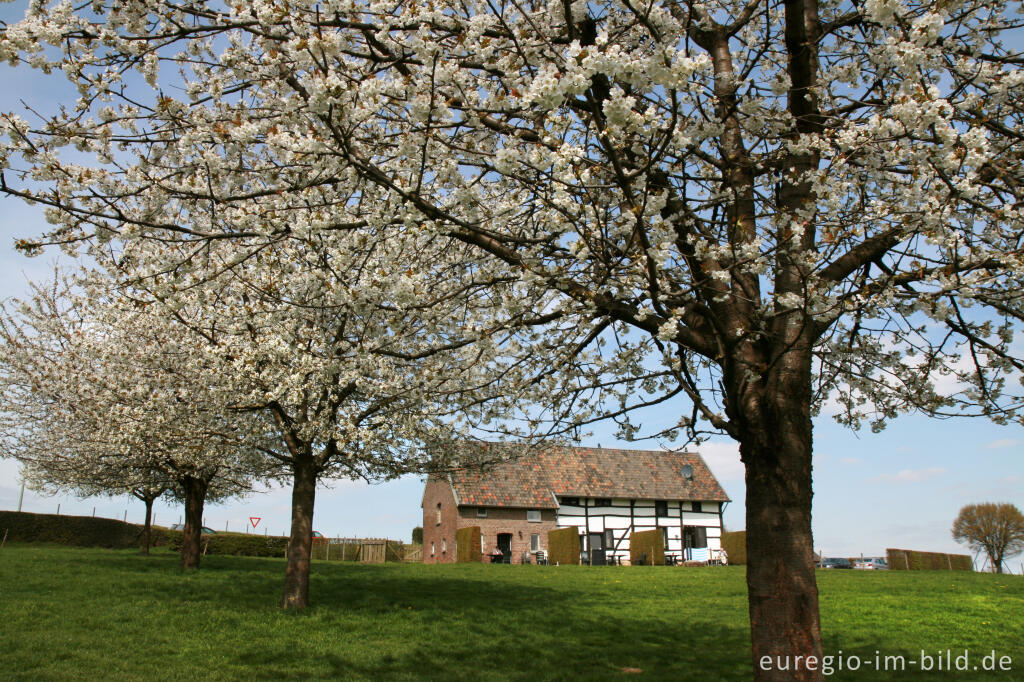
(607,494)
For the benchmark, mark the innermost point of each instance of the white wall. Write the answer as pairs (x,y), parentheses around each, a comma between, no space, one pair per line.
(597,519)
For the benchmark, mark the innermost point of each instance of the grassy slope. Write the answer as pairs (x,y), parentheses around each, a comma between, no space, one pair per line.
(106,614)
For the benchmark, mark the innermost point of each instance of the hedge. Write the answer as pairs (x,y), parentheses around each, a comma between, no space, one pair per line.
(735,546)
(647,542)
(81,531)
(564,546)
(468,545)
(237,544)
(912,560)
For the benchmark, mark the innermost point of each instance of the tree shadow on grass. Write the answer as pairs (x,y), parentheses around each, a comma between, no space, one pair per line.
(469,626)
(458,623)
(604,649)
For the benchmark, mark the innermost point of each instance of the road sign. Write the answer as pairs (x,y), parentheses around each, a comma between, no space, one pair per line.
(255,520)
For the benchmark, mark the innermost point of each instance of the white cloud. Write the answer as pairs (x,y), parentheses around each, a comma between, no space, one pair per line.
(1002,443)
(911,475)
(723,457)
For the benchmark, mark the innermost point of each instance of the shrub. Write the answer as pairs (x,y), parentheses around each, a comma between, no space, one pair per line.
(467,545)
(237,544)
(81,531)
(647,542)
(735,545)
(564,546)
(912,560)
(417,535)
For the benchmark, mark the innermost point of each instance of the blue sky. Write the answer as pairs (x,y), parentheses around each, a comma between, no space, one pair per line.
(900,488)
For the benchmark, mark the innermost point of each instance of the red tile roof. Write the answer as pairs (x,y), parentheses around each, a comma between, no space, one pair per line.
(533,480)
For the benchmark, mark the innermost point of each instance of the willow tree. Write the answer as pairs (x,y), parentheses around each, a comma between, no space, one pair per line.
(775,204)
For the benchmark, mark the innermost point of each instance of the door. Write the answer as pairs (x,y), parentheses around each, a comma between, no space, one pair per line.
(505,545)
(597,551)
(694,537)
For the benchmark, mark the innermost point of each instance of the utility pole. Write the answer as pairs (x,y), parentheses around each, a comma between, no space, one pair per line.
(22,495)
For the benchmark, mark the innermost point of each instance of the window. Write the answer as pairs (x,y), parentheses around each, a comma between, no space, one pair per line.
(535,542)
(533,515)
(444,545)
(481,512)
(696,506)
(664,537)
(609,538)
(571,501)
(661,508)
(602,502)
(439,513)
(431,549)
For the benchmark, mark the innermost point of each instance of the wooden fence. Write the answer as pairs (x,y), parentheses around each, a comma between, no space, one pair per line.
(912,560)
(364,550)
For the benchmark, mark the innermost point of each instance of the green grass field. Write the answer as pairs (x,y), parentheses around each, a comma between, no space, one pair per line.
(88,614)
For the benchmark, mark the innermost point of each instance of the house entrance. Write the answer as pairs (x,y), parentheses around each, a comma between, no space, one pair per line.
(694,537)
(505,545)
(597,549)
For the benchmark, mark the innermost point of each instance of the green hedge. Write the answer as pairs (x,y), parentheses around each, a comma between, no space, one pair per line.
(238,544)
(735,545)
(467,545)
(564,546)
(912,560)
(81,531)
(649,542)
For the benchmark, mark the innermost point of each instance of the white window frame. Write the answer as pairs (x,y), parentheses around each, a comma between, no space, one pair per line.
(535,542)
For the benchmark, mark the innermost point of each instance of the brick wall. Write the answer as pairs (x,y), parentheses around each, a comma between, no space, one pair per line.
(502,520)
(439,538)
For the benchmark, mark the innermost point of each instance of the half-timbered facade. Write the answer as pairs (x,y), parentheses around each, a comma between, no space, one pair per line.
(606,494)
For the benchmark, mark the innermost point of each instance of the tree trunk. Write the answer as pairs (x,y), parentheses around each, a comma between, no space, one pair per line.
(195,497)
(775,445)
(300,544)
(147,527)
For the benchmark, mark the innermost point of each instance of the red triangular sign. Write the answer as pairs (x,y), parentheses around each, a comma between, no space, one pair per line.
(255,520)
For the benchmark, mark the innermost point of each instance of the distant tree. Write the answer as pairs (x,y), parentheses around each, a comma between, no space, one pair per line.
(998,529)
(101,396)
(417,535)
